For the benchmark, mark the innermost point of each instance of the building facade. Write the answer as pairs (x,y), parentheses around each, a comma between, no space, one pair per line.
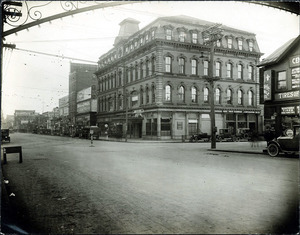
(81,77)
(280,87)
(23,120)
(155,80)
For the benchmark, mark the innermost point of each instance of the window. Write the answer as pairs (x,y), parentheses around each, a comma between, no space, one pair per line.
(240,97)
(229,96)
(147,68)
(194,95)
(147,95)
(153,94)
(250,72)
(194,67)
(181,93)
(194,37)
(250,46)
(134,99)
(240,44)
(152,34)
(182,36)
(168,34)
(281,80)
(205,68)
(181,65)
(135,44)
(142,96)
(205,95)
(218,43)
(141,71)
(141,41)
(218,96)
(153,65)
(229,43)
(218,69)
(168,64)
(120,99)
(240,71)
(250,98)
(168,93)
(229,70)
(110,104)
(147,37)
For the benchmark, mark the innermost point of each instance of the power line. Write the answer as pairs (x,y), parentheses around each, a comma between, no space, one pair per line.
(57,56)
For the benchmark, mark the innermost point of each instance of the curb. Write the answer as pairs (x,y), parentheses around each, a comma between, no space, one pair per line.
(264,152)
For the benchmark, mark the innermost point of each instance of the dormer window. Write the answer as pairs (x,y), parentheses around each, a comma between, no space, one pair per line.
(135,44)
(141,41)
(250,46)
(240,44)
(168,34)
(147,37)
(229,43)
(219,43)
(182,36)
(194,37)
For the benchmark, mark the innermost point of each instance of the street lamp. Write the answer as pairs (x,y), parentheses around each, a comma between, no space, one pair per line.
(211,35)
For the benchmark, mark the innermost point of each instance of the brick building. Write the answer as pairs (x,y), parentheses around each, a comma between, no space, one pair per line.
(154,79)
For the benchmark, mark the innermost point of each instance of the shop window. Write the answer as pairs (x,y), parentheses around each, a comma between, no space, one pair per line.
(168,93)
(205,95)
(194,95)
(281,80)
(193,128)
(151,127)
(165,127)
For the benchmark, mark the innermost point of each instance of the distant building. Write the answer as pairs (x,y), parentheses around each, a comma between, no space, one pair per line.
(8,122)
(157,77)
(23,120)
(280,87)
(81,77)
(63,106)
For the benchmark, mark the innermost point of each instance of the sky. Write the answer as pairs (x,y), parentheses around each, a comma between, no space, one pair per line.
(31,81)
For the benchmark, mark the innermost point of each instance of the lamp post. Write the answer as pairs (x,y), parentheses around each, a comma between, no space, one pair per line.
(210,36)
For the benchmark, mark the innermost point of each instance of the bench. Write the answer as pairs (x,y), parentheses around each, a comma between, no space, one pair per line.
(14,149)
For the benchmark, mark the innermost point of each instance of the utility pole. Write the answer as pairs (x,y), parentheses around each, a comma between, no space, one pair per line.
(211,35)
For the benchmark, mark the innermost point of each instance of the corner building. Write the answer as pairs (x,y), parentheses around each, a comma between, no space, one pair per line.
(155,80)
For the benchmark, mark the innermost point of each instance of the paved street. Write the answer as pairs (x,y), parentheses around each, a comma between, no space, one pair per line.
(66,186)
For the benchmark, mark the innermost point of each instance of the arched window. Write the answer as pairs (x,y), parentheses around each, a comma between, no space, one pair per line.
(218,96)
(229,70)
(194,67)
(194,94)
(205,65)
(168,64)
(168,93)
(250,98)
(147,68)
(147,95)
(218,69)
(250,72)
(240,71)
(181,64)
(205,95)
(229,96)
(153,94)
(181,93)
(240,97)
(142,96)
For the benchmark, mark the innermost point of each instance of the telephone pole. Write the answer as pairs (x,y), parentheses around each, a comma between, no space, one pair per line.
(211,35)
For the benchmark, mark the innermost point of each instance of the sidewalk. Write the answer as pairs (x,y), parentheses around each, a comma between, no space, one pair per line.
(259,147)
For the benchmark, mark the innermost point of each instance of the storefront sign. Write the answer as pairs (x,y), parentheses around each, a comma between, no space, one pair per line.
(295,61)
(287,95)
(267,85)
(288,110)
(296,77)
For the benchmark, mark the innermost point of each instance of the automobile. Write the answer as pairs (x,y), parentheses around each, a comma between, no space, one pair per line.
(288,144)
(198,137)
(86,132)
(225,135)
(5,135)
(243,134)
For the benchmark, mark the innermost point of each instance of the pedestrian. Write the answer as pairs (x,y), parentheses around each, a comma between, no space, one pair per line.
(254,139)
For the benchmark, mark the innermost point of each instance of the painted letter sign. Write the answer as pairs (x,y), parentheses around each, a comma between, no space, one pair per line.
(295,61)
(287,95)
(267,85)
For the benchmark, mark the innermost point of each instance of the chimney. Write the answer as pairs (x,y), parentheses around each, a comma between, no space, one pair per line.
(128,27)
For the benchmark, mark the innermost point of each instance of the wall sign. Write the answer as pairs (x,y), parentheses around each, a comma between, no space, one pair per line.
(267,85)
(296,77)
(287,95)
(288,110)
(295,61)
